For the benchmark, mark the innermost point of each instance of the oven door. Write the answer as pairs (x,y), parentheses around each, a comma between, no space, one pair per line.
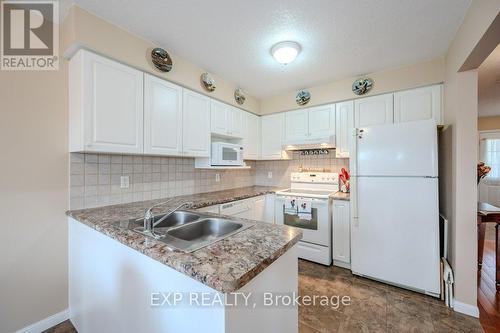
(318,229)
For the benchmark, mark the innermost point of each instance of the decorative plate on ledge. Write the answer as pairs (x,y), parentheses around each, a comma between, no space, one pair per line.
(208,82)
(239,96)
(303,97)
(362,86)
(161,59)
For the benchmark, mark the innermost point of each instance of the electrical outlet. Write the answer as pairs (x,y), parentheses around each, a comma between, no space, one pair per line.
(270,174)
(217,177)
(124,182)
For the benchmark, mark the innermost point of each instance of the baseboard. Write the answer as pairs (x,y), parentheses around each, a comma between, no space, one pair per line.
(468,309)
(46,323)
(342,264)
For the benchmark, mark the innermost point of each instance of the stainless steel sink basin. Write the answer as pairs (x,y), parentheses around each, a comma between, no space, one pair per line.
(193,236)
(176,218)
(188,231)
(206,229)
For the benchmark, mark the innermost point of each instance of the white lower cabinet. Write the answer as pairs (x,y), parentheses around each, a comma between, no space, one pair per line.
(269,209)
(341,233)
(264,208)
(259,208)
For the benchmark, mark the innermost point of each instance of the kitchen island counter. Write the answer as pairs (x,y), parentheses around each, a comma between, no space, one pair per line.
(225,266)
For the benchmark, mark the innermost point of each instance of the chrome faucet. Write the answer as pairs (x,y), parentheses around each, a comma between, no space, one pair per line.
(149,217)
(150,223)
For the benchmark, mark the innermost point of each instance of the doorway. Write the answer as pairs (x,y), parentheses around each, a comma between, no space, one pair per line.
(489,189)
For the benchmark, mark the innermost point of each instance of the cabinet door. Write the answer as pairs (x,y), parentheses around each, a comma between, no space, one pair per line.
(259,206)
(269,209)
(162,117)
(322,121)
(112,104)
(296,126)
(376,110)
(235,122)
(341,231)
(272,136)
(251,136)
(219,114)
(344,123)
(195,124)
(418,104)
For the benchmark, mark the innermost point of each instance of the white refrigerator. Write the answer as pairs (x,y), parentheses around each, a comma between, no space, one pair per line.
(395,208)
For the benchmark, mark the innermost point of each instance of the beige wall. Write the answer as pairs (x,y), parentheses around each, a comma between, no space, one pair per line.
(459,205)
(33,196)
(89,31)
(488,123)
(417,75)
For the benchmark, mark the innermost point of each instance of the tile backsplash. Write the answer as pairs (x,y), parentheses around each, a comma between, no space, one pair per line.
(95,178)
(281,170)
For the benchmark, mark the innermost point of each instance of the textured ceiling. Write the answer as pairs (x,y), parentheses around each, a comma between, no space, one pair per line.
(489,85)
(339,38)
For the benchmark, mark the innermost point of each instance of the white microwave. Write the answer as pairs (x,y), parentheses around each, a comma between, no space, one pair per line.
(227,154)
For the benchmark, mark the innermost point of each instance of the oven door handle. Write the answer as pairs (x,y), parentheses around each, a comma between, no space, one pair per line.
(315,201)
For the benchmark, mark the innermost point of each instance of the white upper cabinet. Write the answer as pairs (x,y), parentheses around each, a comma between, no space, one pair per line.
(195,124)
(162,117)
(344,123)
(272,136)
(322,121)
(235,122)
(106,105)
(251,136)
(341,233)
(309,124)
(226,120)
(219,117)
(297,125)
(375,110)
(418,104)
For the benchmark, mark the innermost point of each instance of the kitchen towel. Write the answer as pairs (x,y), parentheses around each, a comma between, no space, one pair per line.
(304,209)
(290,207)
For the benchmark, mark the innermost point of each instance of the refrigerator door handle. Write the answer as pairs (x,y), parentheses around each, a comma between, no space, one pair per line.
(357,133)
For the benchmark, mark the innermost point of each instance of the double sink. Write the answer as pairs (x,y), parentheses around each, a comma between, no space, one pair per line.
(188,231)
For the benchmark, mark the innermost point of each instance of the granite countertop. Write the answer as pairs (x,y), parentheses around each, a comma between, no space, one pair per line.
(225,266)
(341,196)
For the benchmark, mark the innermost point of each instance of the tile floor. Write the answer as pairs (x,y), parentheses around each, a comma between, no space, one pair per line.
(374,307)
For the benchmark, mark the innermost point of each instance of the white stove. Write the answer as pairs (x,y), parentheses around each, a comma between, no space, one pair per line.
(307,205)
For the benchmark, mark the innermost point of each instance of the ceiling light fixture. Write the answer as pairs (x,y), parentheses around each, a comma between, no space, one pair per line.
(285,52)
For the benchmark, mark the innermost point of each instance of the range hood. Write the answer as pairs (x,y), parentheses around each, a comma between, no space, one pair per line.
(327,142)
